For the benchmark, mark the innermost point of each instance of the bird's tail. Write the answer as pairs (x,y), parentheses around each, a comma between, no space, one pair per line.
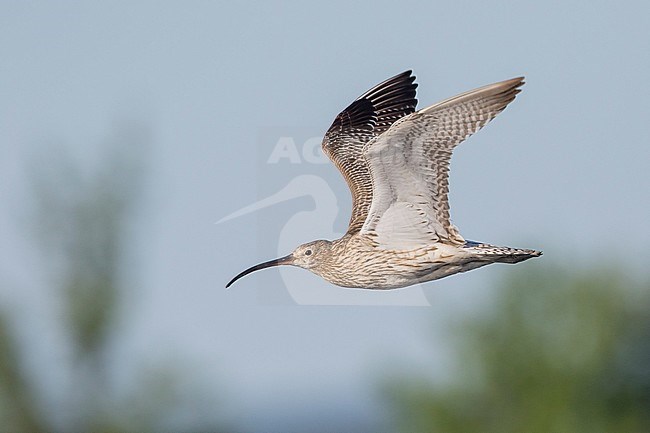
(501,254)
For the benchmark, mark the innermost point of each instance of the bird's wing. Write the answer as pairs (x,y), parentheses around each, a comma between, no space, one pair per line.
(409,167)
(370,115)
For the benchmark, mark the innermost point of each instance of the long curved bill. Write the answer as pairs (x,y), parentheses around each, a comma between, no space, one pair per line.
(286,260)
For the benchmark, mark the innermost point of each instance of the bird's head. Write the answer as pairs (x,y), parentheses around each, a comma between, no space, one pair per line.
(306,256)
(309,255)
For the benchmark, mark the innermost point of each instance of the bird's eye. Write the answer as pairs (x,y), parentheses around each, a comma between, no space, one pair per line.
(308,252)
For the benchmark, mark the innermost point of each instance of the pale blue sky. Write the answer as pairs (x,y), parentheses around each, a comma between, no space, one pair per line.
(564,169)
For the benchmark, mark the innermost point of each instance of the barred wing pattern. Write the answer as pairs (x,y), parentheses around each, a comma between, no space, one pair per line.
(409,167)
(370,115)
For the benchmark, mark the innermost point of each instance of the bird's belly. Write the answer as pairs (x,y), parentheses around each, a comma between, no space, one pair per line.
(401,270)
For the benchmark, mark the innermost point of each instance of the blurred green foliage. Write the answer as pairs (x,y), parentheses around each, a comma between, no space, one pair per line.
(559,352)
(17,410)
(83,224)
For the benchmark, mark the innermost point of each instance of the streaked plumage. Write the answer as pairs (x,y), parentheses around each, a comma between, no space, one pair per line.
(369,116)
(396,161)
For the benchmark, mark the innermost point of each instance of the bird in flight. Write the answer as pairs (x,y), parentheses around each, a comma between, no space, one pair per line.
(395,161)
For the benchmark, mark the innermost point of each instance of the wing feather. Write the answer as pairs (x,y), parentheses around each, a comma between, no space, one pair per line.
(370,115)
(409,167)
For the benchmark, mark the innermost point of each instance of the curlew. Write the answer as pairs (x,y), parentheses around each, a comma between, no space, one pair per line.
(395,161)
